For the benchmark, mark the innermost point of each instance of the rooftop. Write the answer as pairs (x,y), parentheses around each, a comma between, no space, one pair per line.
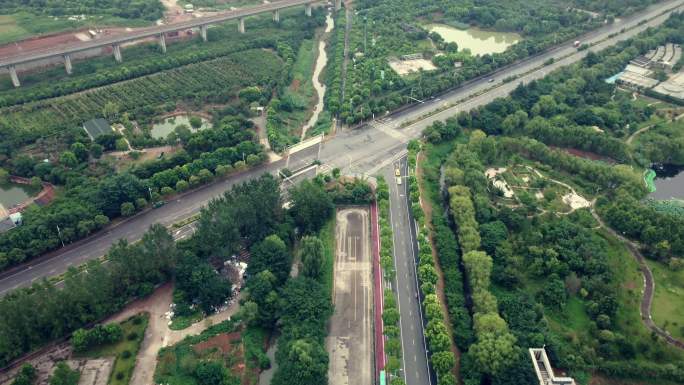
(97,127)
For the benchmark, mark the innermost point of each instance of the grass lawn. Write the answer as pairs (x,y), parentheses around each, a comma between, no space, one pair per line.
(23,25)
(668,301)
(9,29)
(574,315)
(327,235)
(182,322)
(301,89)
(133,331)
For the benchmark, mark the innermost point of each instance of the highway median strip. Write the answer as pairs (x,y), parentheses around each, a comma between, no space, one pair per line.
(439,340)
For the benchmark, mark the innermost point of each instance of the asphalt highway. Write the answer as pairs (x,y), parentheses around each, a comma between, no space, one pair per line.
(365,150)
(414,357)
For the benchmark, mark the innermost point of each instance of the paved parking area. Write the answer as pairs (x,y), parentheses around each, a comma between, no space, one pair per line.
(350,341)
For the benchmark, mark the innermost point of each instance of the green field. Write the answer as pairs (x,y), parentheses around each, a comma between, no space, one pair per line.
(23,25)
(9,29)
(668,301)
(183,322)
(327,235)
(133,332)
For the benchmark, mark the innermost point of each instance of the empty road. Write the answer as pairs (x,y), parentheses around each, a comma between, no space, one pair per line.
(364,150)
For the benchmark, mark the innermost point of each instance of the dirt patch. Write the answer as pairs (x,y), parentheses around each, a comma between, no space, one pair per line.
(575,201)
(223,342)
(123,158)
(499,183)
(295,85)
(405,67)
(38,42)
(585,154)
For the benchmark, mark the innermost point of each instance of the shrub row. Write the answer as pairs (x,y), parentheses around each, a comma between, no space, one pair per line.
(439,342)
(495,346)
(83,339)
(390,314)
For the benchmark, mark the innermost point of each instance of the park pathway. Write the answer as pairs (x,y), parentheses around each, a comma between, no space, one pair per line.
(644,129)
(649,284)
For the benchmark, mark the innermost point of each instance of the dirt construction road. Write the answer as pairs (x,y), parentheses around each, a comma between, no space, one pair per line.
(350,341)
(158,334)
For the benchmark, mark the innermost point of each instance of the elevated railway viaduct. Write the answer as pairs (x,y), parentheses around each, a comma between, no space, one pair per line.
(159,32)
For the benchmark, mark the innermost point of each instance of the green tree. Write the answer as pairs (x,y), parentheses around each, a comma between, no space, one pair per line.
(271,254)
(80,150)
(311,255)
(36,182)
(96,150)
(127,209)
(68,159)
(492,352)
(211,373)
(262,291)
(306,364)
(250,94)
(311,206)
(443,362)
(27,375)
(4,175)
(110,111)
(64,375)
(195,122)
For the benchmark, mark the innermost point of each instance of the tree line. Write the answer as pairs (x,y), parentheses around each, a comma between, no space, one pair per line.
(90,203)
(128,9)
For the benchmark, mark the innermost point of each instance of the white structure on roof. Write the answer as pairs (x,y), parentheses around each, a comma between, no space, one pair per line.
(673,87)
(665,57)
(544,370)
(636,80)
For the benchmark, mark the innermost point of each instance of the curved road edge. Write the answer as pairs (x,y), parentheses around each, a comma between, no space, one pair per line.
(649,284)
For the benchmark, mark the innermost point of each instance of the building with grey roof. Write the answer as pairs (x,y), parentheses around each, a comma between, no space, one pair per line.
(97,127)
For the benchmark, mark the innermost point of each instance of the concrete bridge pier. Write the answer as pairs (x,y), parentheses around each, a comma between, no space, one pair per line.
(307,9)
(276,16)
(117,53)
(241,25)
(203,32)
(67,64)
(162,42)
(338,5)
(13,75)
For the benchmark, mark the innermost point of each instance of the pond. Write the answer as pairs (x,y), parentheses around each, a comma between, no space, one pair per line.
(164,128)
(669,182)
(12,194)
(479,42)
